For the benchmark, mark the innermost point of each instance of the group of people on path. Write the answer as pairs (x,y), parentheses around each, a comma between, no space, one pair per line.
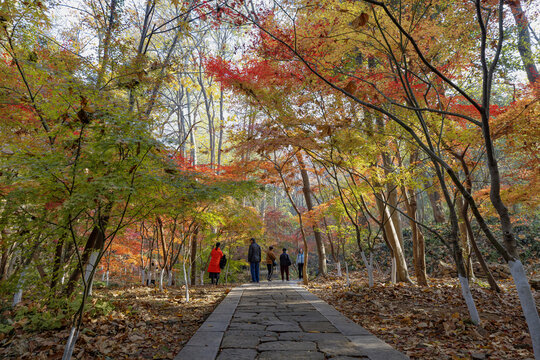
(254,258)
(218,261)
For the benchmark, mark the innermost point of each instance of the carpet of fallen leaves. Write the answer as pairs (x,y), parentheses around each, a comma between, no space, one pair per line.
(432,322)
(145,324)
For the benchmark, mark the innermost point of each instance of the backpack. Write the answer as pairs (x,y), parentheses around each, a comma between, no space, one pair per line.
(289,263)
(223,262)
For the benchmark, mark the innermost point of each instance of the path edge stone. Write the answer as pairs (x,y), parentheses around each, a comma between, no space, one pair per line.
(205,343)
(374,348)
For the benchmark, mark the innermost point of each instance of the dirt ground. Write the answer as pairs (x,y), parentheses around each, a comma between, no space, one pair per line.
(433,322)
(144,324)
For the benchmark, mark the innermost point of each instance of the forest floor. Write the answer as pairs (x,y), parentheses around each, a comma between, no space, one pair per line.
(432,322)
(140,323)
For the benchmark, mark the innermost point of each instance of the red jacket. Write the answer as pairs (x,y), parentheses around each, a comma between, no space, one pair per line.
(216,255)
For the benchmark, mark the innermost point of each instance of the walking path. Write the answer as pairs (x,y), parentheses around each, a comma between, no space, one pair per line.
(281,321)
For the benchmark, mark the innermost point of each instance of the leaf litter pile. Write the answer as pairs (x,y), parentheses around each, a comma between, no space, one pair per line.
(143,324)
(433,322)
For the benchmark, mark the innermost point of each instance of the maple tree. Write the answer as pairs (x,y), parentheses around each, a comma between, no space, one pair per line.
(138,135)
(409,82)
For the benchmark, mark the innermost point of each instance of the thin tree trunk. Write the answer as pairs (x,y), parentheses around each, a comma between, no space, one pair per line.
(221,126)
(17,298)
(435,200)
(465,240)
(58,251)
(321,251)
(193,258)
(106,43)
(186,283)
(392,237)
(89,268)
(417,238)
(94,243)
(464,215)
(524,40)
(369,267)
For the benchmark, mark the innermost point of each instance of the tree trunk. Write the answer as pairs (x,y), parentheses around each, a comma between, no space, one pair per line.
(309,203)
(369,267)
(58,250)
(527,303)
(435,201)
(221,126)
(524,40)
(402,274)
(193,258)
(465,239)
(392,198)
(106,43)
(161,273)
(186,280)
(92,263)
(94,243)
(417,238)
(17,298)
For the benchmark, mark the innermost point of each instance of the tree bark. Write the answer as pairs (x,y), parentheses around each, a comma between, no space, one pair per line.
(435,201)
(402,274)
(524,40)
(106,43)
(193,257)
(95,242)
(321,251)
(465,238)
(58,250)
(417,238)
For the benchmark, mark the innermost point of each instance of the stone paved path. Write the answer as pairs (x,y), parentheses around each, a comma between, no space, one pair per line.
(281,321)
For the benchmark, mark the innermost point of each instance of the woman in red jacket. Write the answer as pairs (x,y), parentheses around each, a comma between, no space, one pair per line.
(213,267)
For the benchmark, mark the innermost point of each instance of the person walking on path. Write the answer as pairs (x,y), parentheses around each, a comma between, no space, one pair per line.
(213,266)
(300,263)
(270,262)
(284,263)
(254,258)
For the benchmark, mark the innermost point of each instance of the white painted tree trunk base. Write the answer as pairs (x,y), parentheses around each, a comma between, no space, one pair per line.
(393,273)
(527,304)
(161,279)
(17,297)
(170,278)
(467,295)
(186,281)
(89,267)
(143,276)
(72,339)
(107,278)
(347,274)
(369,267)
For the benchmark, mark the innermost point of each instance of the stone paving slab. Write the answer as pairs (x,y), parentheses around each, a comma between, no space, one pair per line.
(282,321)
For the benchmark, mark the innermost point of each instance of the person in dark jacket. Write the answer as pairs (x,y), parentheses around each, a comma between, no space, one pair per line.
(254,258)
(284,263)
